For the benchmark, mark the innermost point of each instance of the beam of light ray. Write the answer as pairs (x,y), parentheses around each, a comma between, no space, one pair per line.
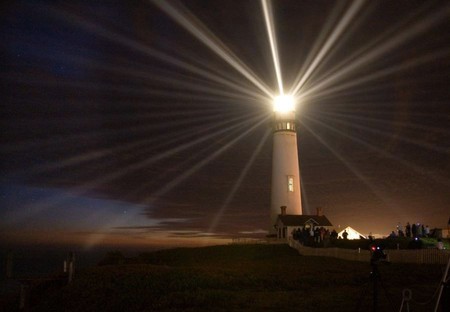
(144,73)
(384,122)
(154,196)
(305,197)
(194,155)
(201,32)
(337,32)
(378,40)
(105,230)
(149,73)
(151,52)
(168,187)
(89,186)
(186,165)
(388,114)
(380,195)
(123,117)
(330,21)
(162,142)
(205,87)
(218,216)
(270,25)
(178,88)
(181,165)
(424,145)
(144,91)
(140,145)
(163,155)
(433,175)
(360,80)
(61,140)
(27,216)
(382,49)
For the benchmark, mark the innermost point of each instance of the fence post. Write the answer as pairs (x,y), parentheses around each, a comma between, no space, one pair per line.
(69,266)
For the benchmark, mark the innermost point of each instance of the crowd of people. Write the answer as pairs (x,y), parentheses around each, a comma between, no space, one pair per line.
(415,230)
(314,235)
(317,236)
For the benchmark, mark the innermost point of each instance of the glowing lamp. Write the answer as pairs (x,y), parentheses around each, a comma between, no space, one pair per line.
(284,103)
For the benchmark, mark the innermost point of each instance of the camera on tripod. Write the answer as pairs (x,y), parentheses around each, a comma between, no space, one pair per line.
(378,254)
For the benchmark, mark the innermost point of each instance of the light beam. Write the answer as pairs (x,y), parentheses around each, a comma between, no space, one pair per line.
(200,31)
(238,183)
(337,32)
(382,49)
(270,26)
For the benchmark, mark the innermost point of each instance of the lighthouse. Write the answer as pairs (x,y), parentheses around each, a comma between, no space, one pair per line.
(285,165)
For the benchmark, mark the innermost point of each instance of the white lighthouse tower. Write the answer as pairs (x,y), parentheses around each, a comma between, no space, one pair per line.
(285,165)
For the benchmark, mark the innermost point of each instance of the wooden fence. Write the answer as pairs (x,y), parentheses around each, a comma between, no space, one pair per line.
(421,256)
(245,240)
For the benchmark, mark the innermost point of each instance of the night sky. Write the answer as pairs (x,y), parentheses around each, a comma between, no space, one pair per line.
(122,124)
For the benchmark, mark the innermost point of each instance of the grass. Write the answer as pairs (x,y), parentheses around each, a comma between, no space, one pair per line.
(237,278)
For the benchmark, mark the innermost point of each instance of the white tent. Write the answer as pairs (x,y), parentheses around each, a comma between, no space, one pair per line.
(352,233)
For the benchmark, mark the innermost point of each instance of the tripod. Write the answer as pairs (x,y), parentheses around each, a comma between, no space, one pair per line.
(444,284)
(374,281)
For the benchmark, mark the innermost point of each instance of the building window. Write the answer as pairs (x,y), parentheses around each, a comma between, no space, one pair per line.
(290,183)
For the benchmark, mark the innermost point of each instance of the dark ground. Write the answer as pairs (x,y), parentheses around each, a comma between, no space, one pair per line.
(235,278)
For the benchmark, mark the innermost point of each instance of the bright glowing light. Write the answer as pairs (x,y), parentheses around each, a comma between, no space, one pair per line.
(284,103)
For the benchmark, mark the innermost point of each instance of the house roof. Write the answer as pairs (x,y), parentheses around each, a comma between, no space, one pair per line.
(352,232)
(300,220)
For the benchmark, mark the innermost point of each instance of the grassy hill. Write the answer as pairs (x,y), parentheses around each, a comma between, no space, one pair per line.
(237,278)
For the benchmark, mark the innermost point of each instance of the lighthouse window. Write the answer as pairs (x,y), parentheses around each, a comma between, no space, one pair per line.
(290,183)
(284,125)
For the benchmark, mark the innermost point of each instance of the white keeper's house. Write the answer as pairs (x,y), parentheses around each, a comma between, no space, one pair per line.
(286,224)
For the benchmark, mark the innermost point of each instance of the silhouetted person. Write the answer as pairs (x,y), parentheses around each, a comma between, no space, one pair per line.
(408,229)
(326,238)
(333,234)
(317,235)
(345,234)
(427,231)
(399,228)
(419,230)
